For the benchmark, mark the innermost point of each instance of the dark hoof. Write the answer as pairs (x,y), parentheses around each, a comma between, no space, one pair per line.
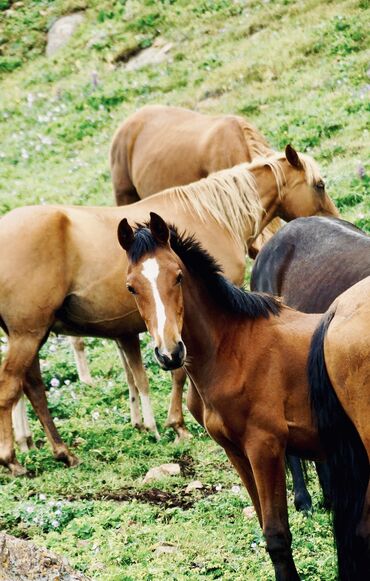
(303,503)
(68,459)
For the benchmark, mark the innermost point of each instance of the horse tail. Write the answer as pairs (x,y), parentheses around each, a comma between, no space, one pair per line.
(346,458)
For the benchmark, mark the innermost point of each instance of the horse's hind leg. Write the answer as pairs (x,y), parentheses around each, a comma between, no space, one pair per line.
(135,413)
(302,498)
(83,370)
(175,417)
(21,351)
(131,348)
(21,426)
(35,391)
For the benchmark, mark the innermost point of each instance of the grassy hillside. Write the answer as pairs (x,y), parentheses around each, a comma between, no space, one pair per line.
(300,71)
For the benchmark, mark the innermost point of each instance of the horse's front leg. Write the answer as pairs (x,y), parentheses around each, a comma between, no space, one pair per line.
(244,469)
(131,348)
(175,417)
(34,388)
(266,453)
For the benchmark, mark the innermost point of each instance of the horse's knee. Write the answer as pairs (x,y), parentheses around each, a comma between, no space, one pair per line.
(278,543)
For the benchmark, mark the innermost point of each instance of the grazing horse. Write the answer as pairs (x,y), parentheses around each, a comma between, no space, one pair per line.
(149,149)
(309,263)
(246,357)
(72,262)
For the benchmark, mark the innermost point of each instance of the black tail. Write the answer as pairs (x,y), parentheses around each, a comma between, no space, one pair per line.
(347,462)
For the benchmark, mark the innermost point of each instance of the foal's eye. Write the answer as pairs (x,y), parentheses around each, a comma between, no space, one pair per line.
(320,186)
(179,278)
(131,289)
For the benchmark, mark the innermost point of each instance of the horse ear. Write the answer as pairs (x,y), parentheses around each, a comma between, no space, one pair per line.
(292,157)
(159,229)
(125,234)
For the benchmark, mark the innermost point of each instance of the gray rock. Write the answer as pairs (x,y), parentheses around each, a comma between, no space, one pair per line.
(150,56)
(23,561)
(160,472)
(61,31)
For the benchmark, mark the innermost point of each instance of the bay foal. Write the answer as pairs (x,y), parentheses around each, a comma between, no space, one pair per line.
(246,357)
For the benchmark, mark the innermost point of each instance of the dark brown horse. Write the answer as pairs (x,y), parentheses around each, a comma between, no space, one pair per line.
(246,357)
(309,263)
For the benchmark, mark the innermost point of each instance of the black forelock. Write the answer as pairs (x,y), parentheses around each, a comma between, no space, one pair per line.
(144,243)
(203,266)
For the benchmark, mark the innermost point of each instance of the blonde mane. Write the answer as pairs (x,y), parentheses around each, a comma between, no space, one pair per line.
(231,198)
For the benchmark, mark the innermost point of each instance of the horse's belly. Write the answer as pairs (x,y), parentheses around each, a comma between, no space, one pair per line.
(304,441)
(81,316)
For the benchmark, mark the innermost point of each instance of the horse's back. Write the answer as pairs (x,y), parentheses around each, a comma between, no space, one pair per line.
(311,261)
(161,147)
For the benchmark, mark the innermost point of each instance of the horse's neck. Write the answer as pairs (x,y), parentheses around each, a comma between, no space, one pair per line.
(268,193)
(203,333)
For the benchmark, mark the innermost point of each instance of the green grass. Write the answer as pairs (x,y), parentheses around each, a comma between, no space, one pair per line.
(298,70)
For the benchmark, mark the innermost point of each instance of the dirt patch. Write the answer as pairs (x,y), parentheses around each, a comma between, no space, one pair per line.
(179,499)
(187,465)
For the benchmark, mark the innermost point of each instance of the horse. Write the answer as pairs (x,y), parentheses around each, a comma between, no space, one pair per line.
(246,355)
(308,263)
(149,148)
(72,262)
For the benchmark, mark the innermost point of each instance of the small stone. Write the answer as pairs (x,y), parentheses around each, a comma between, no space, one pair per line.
(61,31)
(160,472)
(195,485)
(153,55)
(165,548)
(249,512)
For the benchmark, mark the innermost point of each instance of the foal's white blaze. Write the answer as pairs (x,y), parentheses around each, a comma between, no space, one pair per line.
(151,271)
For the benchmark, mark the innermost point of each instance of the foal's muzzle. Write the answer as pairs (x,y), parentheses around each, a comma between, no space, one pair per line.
(176,359)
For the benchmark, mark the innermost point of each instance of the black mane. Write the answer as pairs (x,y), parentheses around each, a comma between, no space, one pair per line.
(204,267)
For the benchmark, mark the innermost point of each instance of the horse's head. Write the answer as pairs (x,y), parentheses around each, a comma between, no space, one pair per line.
(154,277)
(304,192)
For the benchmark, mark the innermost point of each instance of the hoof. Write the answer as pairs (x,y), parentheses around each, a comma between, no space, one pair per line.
(182,435)
(138,426)
(153,431)
(87,381)
(25,444)
(68,459)
(303,503)
(17,469)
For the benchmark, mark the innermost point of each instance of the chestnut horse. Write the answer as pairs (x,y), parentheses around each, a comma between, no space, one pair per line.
(159,147)
(72,262)
(246,357)
(309,263)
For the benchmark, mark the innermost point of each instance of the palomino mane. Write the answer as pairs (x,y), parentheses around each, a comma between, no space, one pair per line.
(231,198)
(203,266)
